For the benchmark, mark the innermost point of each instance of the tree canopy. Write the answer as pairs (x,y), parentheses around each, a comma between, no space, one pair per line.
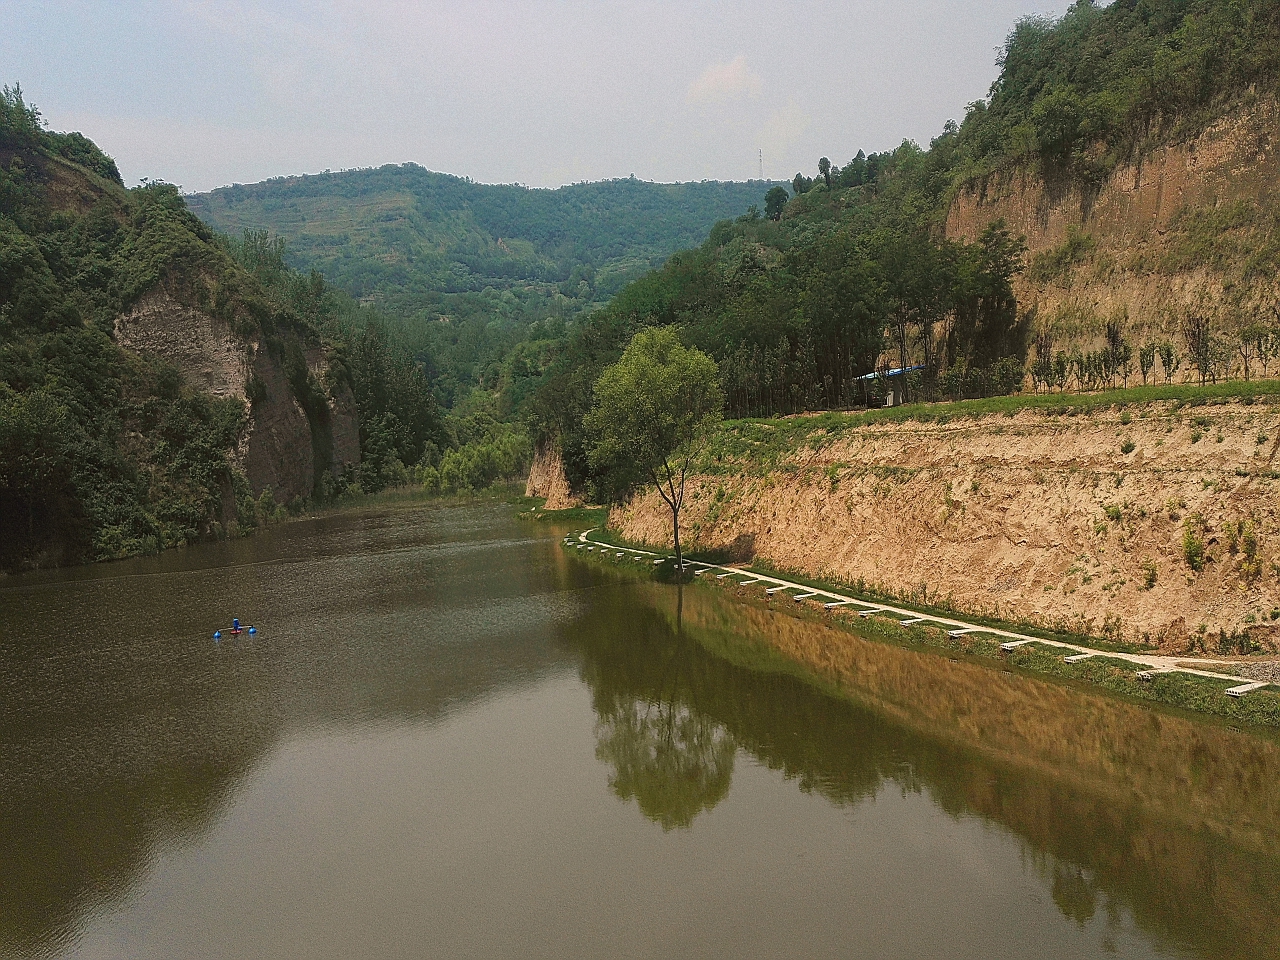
(650,415)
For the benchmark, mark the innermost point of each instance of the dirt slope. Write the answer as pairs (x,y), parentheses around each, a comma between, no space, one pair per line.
(1038,517)
(1192,225)
(547,479)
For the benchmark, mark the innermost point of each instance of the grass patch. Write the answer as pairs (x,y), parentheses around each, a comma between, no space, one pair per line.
(414,495)
(1052,264)
(584,516)
(1185,691)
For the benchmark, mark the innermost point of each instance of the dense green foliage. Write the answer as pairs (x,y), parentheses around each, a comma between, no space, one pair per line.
(486,450)
(470,274)
(400,420)
(1083,92)
(105,453)
(404,435)
(23,128)
(796,314)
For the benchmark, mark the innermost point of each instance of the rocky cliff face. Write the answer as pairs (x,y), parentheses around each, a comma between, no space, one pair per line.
(1075,522)
(282,447)
(1179,228)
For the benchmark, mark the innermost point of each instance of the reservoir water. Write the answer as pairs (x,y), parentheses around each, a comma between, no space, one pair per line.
(453,739)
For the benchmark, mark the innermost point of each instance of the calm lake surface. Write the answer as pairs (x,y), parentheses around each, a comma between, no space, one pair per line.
(452,739)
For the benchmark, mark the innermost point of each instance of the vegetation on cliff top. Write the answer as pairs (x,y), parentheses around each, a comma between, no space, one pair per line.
(102,453)
(1081,93)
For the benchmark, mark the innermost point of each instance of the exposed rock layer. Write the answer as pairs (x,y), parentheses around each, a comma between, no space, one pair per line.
(211,357)
(1137,222)
(281,447)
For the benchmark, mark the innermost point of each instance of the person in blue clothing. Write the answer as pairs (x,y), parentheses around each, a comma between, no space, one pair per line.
(236,629)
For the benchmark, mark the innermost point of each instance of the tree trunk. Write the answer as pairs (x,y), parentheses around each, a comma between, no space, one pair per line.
(675,524)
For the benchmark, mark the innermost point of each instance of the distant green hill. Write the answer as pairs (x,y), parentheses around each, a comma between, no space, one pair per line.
(427,247)
(404,234)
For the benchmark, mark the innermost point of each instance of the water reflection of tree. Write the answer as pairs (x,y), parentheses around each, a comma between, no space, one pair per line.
(1074,893)
(673,762)
(669,756)
(91,787)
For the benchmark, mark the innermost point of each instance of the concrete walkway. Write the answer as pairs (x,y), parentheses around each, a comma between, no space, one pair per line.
(774,586)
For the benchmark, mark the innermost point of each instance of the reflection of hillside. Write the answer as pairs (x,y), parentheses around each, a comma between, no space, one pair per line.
(112,750)
(1119,806)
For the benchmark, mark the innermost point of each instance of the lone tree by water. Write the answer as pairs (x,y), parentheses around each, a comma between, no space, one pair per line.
(652,413)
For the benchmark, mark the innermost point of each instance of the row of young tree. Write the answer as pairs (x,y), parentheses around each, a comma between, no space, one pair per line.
(1198,352)
(849,299)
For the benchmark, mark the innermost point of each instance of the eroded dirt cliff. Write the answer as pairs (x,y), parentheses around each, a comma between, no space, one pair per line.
(1076,522)
(283,446)
(1192,225)
(547,479)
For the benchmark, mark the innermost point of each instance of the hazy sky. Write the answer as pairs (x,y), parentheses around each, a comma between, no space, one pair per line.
(208,92)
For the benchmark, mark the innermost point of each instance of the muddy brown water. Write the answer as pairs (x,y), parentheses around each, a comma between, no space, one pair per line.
(452,739)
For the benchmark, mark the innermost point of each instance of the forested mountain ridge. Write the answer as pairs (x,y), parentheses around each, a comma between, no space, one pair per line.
(940,258)
(400,232)
(464,268)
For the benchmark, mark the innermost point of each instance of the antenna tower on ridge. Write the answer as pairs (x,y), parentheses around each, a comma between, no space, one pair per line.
(762,163)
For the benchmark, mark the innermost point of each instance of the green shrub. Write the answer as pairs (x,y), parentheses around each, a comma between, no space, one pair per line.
(1249,540)
(1051,264)
(1193,551)
(1149,573)
(502,453)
